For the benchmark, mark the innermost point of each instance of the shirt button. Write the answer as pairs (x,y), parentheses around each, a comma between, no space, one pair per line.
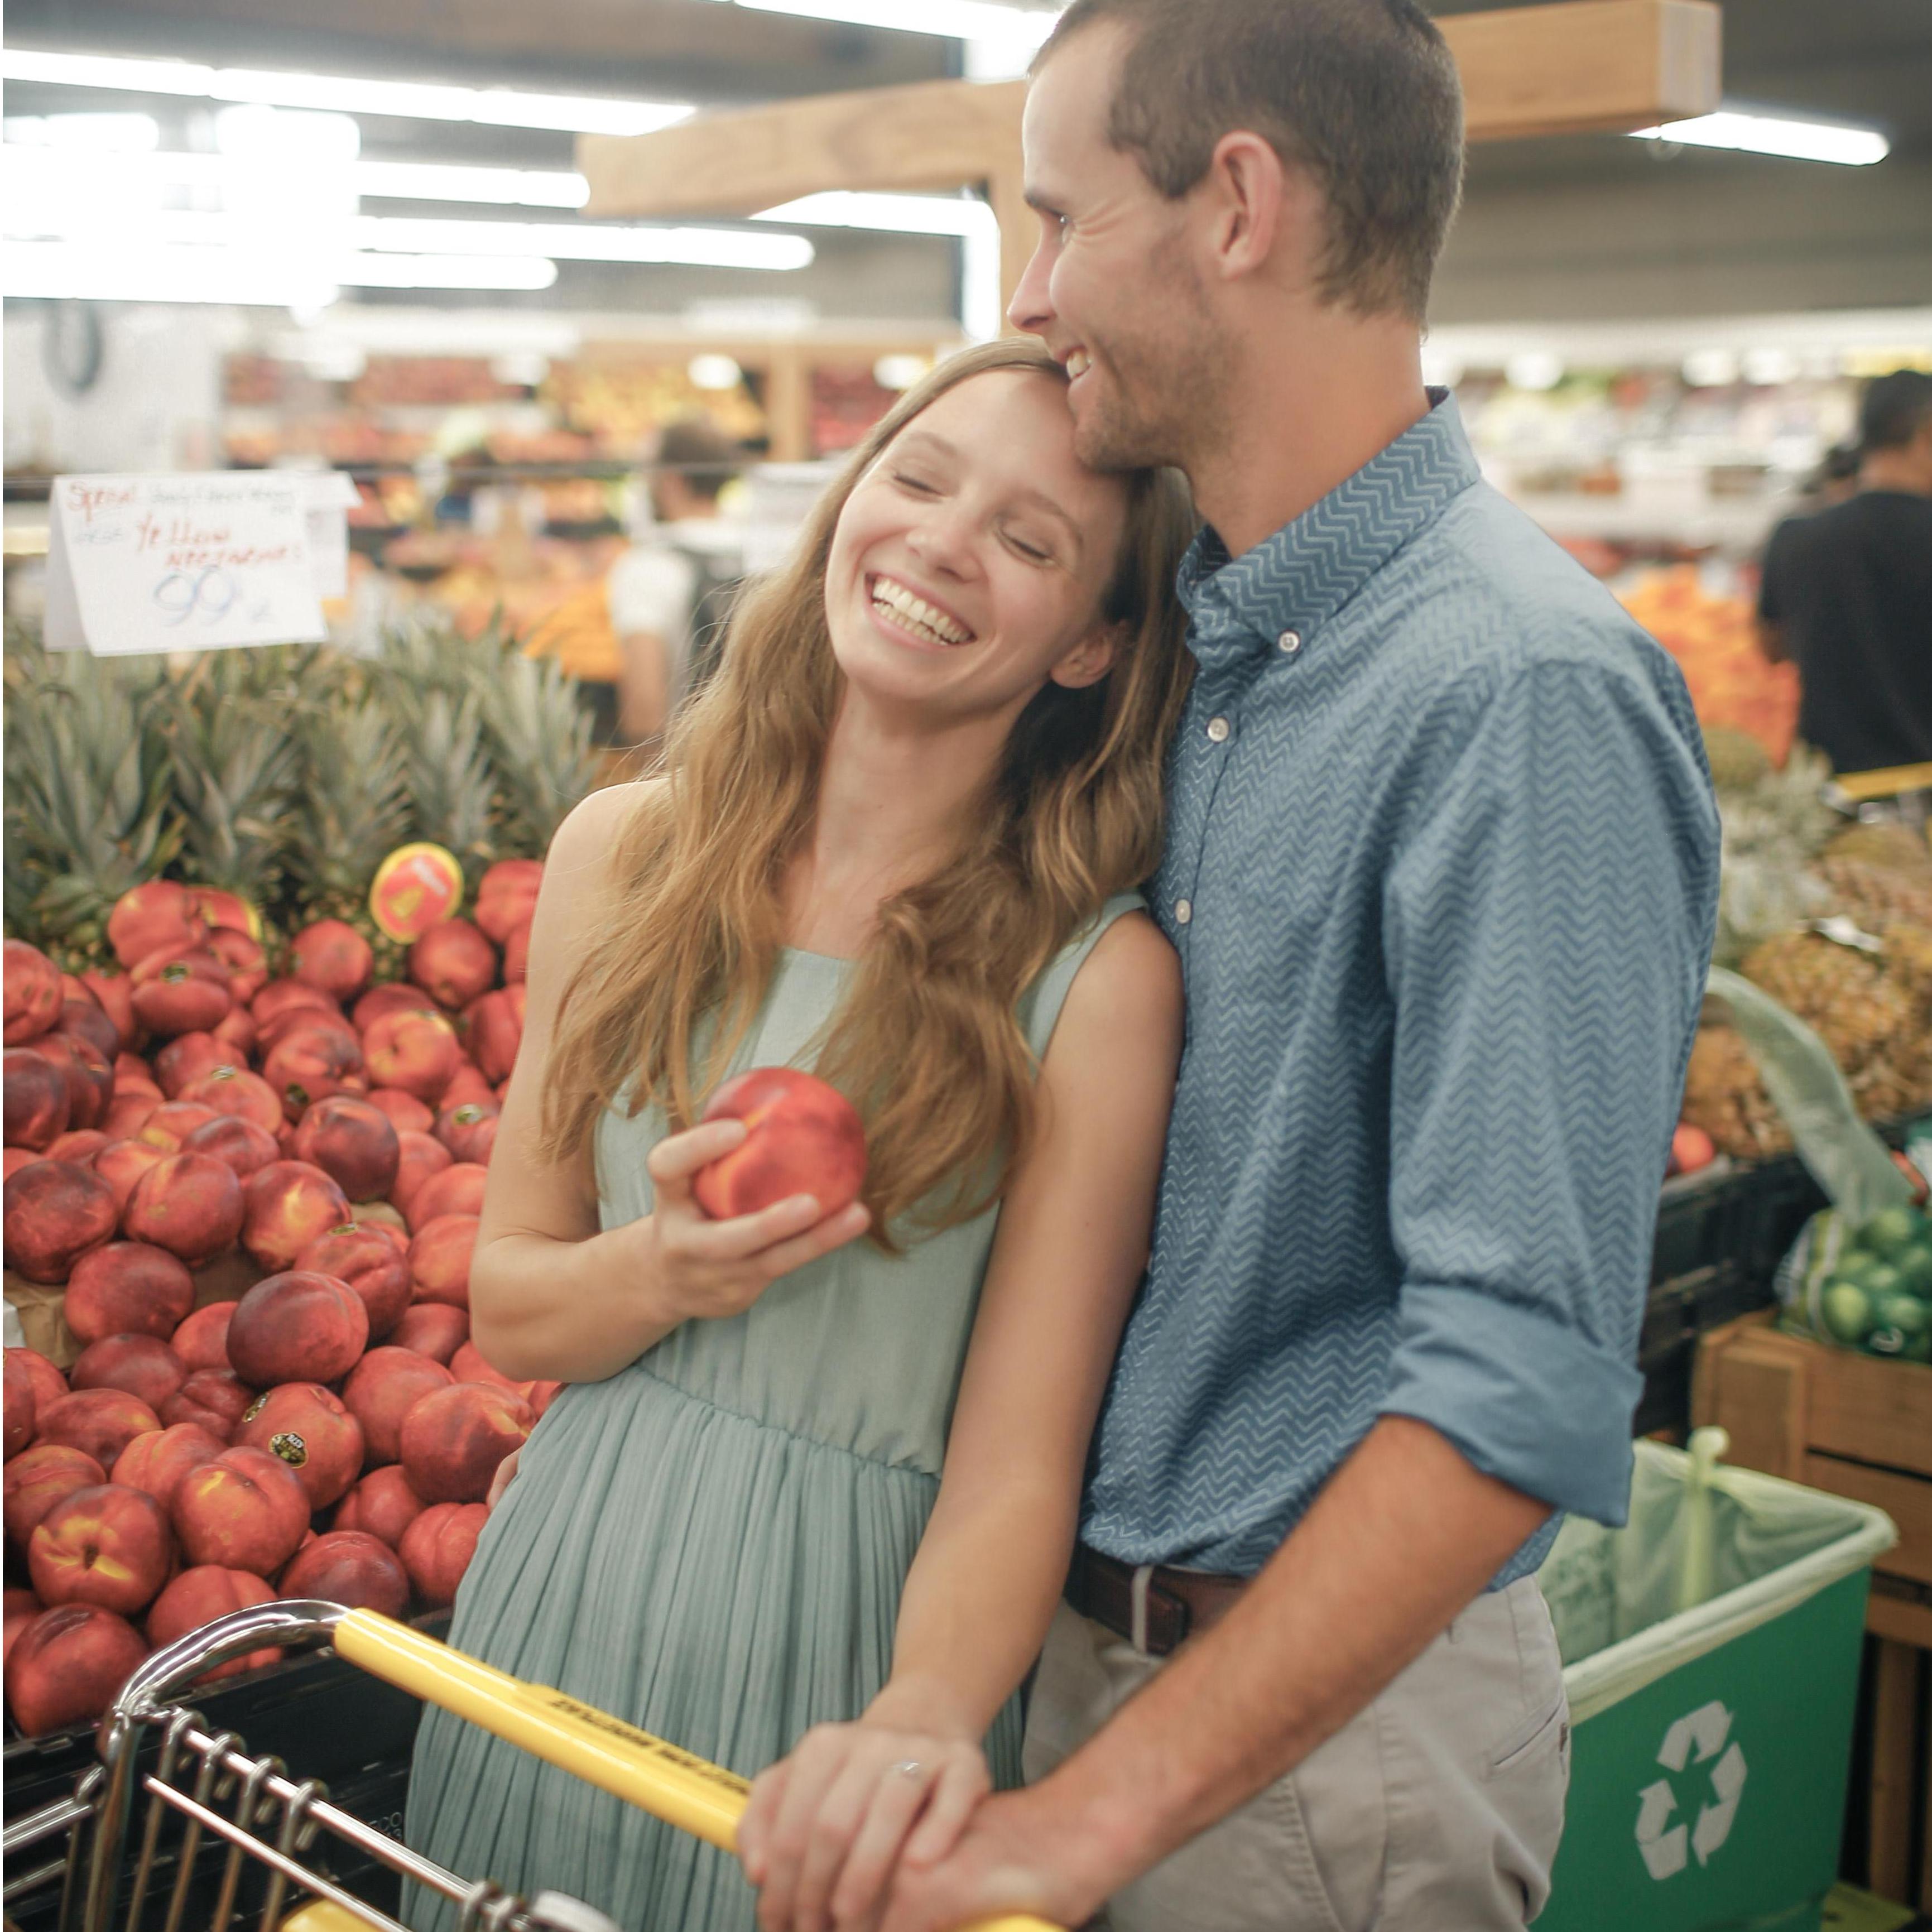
(1183,910)
(1217,730)
(1290,641)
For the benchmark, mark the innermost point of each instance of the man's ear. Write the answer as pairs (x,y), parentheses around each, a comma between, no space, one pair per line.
(1257,204)
(1090,659)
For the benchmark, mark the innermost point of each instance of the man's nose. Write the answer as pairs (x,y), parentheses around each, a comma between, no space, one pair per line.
(1031,308)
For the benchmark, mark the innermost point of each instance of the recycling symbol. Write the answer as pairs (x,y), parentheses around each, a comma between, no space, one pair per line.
(1666,1847)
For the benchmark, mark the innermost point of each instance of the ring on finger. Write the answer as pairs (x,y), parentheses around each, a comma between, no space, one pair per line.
(908,1768)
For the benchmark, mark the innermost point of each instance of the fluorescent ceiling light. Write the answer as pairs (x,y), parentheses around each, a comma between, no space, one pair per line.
(493,106)
(509,187)
(703,247)
(1766,134)
(954,20)
(893,213)
(97,134)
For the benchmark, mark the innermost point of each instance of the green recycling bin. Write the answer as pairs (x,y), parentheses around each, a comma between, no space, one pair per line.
(1711,1650)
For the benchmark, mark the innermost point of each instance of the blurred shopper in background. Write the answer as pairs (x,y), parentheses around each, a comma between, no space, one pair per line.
(1847,592)
(670,593)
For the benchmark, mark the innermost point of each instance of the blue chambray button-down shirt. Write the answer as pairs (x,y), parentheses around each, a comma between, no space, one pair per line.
(1441,870)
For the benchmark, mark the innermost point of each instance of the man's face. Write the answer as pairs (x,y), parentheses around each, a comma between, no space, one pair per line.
(1114,288)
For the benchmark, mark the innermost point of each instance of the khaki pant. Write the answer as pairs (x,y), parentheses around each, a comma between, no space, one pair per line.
(1436,1809)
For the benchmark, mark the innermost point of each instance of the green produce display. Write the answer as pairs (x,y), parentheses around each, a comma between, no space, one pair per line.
(1868,1288)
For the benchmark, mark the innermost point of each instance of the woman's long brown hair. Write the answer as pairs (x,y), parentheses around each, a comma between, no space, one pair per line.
(926,1042)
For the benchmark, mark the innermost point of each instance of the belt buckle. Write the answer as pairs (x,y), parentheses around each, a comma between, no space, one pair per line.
(1181,1612)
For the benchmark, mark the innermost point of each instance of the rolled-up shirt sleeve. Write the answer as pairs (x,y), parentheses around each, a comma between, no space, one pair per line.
(1547,926)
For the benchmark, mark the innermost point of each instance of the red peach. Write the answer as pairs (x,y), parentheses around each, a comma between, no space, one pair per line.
(289,1203)
(182,989)
(456,1189)
(79,1144)
(432,1328)
(171,1124)
(100,1422)
(82,1019)
(407,1115)
(507,896)
(516,955)
(13,1159)
(155,1462)
(22,1405)
(387,1217)
(108,1545)
(41,1477)
(418,1052)
(382,1503)
(234,1090)
(244,1510)
(470,1130)
(351,1567)
(271,1032)
(467,1365)
(116,993)
(37,1099)
(88,1072)
(197,1597)
(333,956)
(439,1258)
(368,1259)
(223,911)
(50,1385)
(150,916)
(452,1439)
(805,1138)
(279,995)
(308,1427)
(496,1031)
(33,992)
(128,1288)
(393,997)
(121,1163)
(202,1339)
(468,1088)
(214,1399)
(191,1204)
(353,1142)
(453,963)
(419,1158)
(382,1387)
(187,1057)
(245,1146)
(237,1033)
(21,1608)
(297,1326)
(67,1667)
(310,1063)
(248,964)
(54,1212)
(131,1112)
(436,1549)
(143,1365)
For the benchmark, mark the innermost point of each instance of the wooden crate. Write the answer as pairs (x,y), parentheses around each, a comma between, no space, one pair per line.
(1861,1428)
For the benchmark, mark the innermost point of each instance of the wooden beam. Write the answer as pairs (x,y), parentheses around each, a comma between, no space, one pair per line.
(1585,65)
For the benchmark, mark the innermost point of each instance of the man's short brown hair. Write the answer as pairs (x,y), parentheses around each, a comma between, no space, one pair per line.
(1362,94)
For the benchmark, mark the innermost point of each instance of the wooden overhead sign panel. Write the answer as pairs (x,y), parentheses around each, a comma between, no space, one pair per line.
(1587,66)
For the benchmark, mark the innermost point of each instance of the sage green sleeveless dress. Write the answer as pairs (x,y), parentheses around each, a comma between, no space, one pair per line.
(712,1544)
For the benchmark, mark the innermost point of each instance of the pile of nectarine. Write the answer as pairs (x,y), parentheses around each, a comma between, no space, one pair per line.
(334,1432)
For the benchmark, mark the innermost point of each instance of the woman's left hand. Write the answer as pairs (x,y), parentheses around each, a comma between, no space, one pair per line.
(826,1826)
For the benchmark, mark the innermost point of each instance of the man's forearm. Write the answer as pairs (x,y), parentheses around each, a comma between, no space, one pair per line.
(1406,1533)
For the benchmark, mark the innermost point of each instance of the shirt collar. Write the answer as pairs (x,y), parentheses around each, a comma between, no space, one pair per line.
(1298,578)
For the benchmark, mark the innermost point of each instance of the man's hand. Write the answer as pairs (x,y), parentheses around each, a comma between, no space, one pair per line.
(1012,1857)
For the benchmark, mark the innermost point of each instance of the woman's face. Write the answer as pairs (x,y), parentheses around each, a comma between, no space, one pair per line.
(969,565)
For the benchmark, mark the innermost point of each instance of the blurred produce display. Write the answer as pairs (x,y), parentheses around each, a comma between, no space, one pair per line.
(1867,1288)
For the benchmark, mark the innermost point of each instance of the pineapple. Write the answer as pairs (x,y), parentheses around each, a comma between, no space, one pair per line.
(451,789)
(88,810)
(1773,826)
(540,741)
(1875,897)
(354,812)
(1724,1094)
(1888,848)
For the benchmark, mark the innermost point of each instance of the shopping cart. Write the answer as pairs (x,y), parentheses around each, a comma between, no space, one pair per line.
(289,1851)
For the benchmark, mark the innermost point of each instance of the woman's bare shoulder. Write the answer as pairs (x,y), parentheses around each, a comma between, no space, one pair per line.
(581,848)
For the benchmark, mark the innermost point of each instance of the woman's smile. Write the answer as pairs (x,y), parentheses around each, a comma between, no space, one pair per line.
(906,616)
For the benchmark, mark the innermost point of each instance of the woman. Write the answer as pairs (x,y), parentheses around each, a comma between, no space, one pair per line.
(896,843)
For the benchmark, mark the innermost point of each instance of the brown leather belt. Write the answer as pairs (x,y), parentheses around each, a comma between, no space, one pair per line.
(1175,1604)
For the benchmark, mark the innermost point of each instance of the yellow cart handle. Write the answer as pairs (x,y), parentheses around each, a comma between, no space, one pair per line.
(696,1796)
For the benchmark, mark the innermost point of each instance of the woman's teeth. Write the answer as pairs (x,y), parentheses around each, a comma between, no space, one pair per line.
(1078,364)
(912,612)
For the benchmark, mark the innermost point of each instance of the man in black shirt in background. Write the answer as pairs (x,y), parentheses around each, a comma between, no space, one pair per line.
(1847,593)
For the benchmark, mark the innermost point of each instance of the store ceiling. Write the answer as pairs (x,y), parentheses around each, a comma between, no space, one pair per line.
(1581,227)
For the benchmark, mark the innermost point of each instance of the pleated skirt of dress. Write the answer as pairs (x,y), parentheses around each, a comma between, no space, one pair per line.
(721,1583)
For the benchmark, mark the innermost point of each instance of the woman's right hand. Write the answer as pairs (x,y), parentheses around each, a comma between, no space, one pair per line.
(706,1271)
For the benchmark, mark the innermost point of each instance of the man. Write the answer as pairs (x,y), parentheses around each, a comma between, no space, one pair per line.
(669,595)
(1441,873)
(1847,592)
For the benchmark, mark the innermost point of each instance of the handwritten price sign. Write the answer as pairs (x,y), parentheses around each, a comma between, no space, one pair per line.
(172,563)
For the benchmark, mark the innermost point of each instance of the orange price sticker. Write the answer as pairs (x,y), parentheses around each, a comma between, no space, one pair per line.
(415,886)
